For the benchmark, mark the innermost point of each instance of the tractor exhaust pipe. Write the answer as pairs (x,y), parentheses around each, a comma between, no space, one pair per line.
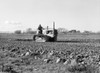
(53,25)
(53,28)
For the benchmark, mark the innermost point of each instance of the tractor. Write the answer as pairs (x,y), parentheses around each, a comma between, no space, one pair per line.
(48,35)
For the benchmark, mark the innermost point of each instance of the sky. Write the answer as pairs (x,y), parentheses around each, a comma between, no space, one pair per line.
(70,14)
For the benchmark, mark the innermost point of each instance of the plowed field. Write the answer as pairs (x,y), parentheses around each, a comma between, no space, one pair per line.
(67,55)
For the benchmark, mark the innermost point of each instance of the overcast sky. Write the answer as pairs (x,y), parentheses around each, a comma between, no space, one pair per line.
(70,14)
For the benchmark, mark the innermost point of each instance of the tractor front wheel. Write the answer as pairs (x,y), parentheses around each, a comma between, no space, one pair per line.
(40,39)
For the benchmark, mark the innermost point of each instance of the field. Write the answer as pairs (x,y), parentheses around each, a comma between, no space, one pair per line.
(72,53)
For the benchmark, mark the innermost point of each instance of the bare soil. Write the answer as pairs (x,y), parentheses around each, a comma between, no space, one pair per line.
(70,54)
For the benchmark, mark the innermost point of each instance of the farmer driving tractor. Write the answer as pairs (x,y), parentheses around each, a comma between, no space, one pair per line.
(40,29)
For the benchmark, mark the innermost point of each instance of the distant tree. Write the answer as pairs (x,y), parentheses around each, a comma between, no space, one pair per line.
(88,32)
(72,31)
(78,31)
(62,30)
(30,31)
(17,32)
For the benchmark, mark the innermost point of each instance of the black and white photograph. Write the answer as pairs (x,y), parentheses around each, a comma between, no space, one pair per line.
(49,36)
